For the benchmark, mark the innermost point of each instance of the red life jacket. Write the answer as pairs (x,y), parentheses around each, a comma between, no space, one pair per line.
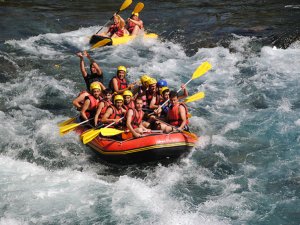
(131,25)
(136,118)
(150,95)
(116,114)
(106,105)
(114,29)
(129,106)
(173,115)
(92,107)
(122,83)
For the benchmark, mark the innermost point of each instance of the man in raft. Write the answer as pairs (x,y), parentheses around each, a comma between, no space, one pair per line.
(177,115)
(119,83)
(128,100)
(134,119)
(134,24)
(91,102)
(117,29)
(96,74)
(103,105)
(115,112)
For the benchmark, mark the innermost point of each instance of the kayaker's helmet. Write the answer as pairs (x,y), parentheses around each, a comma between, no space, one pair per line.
(163,90)
(162,83)
(145,78)
(95,85)
(122,68)
(118,98)
(152,81)
(135,14)
(127,93)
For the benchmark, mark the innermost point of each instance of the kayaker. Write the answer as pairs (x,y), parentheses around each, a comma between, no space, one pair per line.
(134,119)
(96,72)
(117,29)
(134,24)
(103,105)
(128,101)
(91,102)
(115,112)
(177,115)
(119,83)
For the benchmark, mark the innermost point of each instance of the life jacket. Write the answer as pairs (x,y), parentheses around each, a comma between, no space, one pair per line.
(122,83)
(131,25)
(114,29)
(173,115)
(106,105)
(129,106)
(92,107)
(116,114)
(137,118)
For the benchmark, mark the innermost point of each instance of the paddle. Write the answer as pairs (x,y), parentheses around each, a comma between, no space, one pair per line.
(201,70)
(67,128)
(100,43)
(138,7)
(66,122)
(195,97)
(125,4)
(93,133)
(110,132)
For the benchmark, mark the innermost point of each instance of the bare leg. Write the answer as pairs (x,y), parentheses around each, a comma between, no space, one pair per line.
(136,30)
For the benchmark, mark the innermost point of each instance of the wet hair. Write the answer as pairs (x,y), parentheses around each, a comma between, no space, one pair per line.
(107,91)
(173,94)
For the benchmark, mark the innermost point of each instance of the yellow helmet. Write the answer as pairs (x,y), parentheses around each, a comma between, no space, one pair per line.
(136,14)
(151,81)
(123,68)
(145,78)
(127,93)
(118,98)
(163,89)
(95,85)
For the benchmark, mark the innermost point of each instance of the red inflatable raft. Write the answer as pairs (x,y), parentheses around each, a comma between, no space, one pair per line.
(151,147)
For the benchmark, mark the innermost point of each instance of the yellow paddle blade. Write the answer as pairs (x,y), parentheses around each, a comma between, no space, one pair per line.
(202,69)
(195,97)
(101,43)
(139,7)
(67,128)
(125,4)
(189,115)
(110,132)
(66,122)
(89,136)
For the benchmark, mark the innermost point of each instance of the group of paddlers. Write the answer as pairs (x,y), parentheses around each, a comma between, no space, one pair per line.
(119,28)
(138,107)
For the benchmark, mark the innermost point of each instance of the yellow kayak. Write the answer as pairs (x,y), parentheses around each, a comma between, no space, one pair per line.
(120,40)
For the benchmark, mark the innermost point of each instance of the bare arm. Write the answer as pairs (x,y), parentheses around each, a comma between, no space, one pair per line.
(152,103)
(78,100)
(84,109)
(99,71)
(81,64)
(139,23)
(105,119)
(100,107)
(182,114)
(185,92)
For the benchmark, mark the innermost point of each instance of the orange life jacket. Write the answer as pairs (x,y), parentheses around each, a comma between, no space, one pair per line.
(173,115)
(106,105)
(116,114)
(122,83)
(137,118)
(129,106)
(92,107)
(114,29)
(131,25)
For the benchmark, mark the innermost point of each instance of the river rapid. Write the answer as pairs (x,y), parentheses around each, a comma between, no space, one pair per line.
(245,168)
